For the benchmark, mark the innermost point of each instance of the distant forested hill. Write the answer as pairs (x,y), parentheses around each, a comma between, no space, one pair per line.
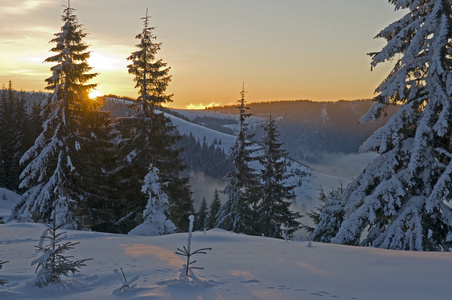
(309,129)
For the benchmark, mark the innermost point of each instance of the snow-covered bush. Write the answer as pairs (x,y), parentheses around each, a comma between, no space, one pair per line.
(155,217)
(327,218)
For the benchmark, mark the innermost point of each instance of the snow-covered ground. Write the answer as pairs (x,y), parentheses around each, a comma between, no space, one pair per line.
(237,267)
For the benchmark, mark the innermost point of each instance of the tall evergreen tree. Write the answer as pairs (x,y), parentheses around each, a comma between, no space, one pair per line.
(151,74)
(401,199)
(55,167)
(202,217)
(236,214)
(214,208)
(148,138)
(276,196)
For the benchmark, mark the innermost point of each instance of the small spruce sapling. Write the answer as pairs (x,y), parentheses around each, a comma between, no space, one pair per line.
(187,252)
(53,262)
(3,281)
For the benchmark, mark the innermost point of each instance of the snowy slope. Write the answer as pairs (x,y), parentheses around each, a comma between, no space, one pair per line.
(238,267)
(198,131)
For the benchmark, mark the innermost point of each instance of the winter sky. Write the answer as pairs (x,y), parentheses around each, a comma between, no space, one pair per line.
(282,50)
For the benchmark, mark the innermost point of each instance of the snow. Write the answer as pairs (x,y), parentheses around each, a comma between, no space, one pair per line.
(131,156)
(238,267)
(185,128)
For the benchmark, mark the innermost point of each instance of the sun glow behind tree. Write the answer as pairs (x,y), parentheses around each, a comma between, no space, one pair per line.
(95,93)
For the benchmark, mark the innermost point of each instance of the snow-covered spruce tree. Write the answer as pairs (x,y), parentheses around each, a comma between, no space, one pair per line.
(214,208)
(156,213)
(53,262)
(276,196)
(53,170)
(328,218)
(236,214)
(402,199)
(148,138)
(151,74)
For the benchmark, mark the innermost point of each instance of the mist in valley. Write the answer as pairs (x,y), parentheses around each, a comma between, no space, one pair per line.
(343,165)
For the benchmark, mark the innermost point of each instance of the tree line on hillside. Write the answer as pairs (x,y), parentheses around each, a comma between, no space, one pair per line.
(20,124)
(201,157)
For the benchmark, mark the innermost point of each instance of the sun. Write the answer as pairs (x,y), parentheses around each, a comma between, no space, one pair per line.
(94,94)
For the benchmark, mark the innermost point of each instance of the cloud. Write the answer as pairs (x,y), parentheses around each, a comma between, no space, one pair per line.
(104,62)
(26,72)
(204,186)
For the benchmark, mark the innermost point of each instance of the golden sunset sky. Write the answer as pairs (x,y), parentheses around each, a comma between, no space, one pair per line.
(281,50)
